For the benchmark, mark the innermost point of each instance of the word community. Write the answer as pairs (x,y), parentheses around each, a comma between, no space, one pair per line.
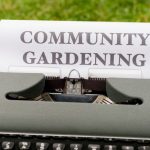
(95,38)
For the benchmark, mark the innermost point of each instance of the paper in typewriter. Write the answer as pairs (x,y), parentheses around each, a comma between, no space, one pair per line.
(75,49)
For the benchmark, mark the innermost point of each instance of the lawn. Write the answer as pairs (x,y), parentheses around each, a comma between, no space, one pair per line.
(92,10)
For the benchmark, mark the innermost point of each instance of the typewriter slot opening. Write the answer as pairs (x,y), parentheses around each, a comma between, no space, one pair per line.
(77,91)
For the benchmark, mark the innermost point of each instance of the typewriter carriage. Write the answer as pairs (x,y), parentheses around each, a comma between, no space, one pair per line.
(74,90)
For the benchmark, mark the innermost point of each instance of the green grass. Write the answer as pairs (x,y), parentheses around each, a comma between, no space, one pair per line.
(92,10)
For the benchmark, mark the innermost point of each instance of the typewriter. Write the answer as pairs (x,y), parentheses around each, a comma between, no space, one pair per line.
(74,85)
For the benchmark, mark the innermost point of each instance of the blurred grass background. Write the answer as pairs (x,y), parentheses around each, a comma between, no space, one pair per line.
(92,10)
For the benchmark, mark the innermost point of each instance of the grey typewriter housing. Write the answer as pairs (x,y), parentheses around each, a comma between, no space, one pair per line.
(74,119)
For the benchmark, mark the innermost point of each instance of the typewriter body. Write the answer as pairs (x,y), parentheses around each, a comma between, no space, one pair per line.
(62,97)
